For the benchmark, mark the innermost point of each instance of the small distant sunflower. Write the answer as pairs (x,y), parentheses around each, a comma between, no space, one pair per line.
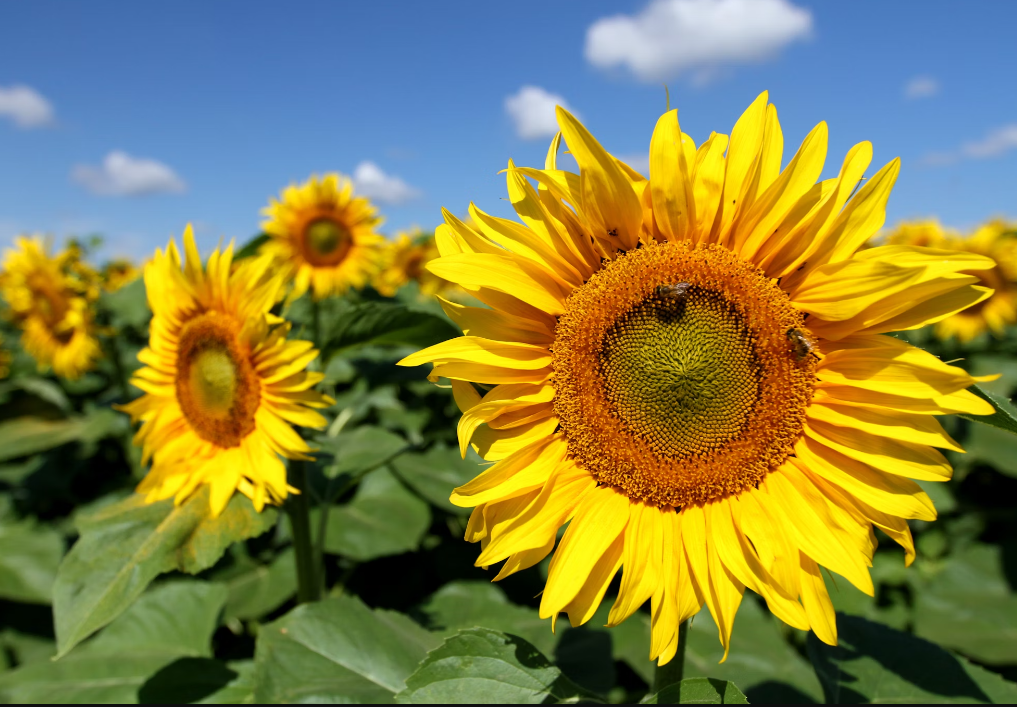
(223,384)
(118,273)
(5,360)
(51,300)
(404,261)
(995,239)
(324,236)
(692,373)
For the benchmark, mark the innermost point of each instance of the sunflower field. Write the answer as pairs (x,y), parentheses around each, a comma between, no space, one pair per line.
(713,434)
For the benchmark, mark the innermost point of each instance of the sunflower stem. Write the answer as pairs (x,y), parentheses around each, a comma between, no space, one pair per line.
(674,670)
(299,508)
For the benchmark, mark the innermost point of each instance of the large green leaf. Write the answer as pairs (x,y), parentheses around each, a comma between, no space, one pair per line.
(338,650)
(251,247)
(30,435)
(29,556)
(126,545)
(436,472)
(992,446)
(479,665)
(1005,415)
(875,664)
(698,691)
(383,518)
(345,324)
(760,661)
(202,681)
(359,450)
(128,306)
(172,621)
(968,606)
(256,590)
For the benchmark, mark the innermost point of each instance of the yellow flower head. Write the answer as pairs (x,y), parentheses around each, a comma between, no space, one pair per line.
(692,372)
(405,259)
(118,273)
(222,382)
(324,236)
(51,300)
(995,239)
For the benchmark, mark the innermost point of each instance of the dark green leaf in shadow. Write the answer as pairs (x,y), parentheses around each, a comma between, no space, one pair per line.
(876,664)
(436,472)
(698,691)
(359,450)
(1005,415)
(345,324)
(383,518)
(481,665)
(124,546)
(29,556)
(337,650)
(250,248)
(185,681)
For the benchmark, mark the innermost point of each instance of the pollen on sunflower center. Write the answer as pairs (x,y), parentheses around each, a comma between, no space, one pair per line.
(676,381)
(217,387)
(326,241)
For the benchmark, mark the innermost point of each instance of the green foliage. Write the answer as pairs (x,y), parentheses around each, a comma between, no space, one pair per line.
(698,691)
(434,473)
(1005,415)
(29,556)
(23,436)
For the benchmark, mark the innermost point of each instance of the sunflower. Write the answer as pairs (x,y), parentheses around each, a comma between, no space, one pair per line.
(995,239)
(223,384)
(405,259)
(5,361)
(692,372)
(324,236)
(51,300)
(117,273)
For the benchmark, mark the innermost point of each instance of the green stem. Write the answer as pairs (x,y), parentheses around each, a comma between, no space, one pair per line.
(299,508)
(672,672)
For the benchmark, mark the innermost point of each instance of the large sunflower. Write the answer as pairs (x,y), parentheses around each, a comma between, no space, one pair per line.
(995,239)
(324,236)
(405,260)
(51,300)
(692,372)
(223,384)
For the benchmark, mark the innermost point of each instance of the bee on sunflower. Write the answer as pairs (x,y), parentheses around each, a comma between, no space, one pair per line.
(223,385)
(51,298)
(404,261)
(692,372)
(995,239)
(324,236)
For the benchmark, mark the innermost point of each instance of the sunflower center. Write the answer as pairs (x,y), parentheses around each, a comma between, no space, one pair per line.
(680,376)
(326,241)
(217,387)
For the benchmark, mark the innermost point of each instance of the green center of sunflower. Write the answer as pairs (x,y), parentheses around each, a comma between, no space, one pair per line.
(326,241)
(681,369)
(679,374)
(216,384)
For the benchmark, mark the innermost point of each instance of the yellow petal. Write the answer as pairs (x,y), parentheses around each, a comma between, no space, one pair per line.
(913,461)
(673,210)
(919,429)
(742,158)
(816,600)
(515,276)
(641,559)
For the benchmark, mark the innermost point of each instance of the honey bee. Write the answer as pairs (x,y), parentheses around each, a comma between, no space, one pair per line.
(673,292)
(801,344)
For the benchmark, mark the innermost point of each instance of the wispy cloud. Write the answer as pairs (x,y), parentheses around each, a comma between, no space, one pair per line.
(371,181)
(995,143)
(532,112)
(121,174)
(668,38)
(639,162)
(921,87)
(25,106)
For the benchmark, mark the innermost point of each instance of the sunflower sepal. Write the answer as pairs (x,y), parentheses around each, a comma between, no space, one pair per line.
(1004,415)
(124,546)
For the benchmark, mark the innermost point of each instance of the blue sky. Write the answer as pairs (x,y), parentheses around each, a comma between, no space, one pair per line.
(232,100)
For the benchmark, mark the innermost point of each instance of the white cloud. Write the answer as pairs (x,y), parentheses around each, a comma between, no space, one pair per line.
(921,87)
(25,106)
(638,162)
(994,144)
(123,175)
(371,181)
(532,112)
(670,37)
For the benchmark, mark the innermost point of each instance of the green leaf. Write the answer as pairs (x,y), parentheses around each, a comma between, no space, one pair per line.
(875,664)
(761,661)
(1005,415)
(359,450)
(200,681)
(436,472)
(346,324)
(169,622)
(30,435)
(126,545)
(337,650)
(261,589)
(991,446)
(29,556)
(128,306)
(698,691)
(479,665)
(968,606)
(250,248)
(384,518)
